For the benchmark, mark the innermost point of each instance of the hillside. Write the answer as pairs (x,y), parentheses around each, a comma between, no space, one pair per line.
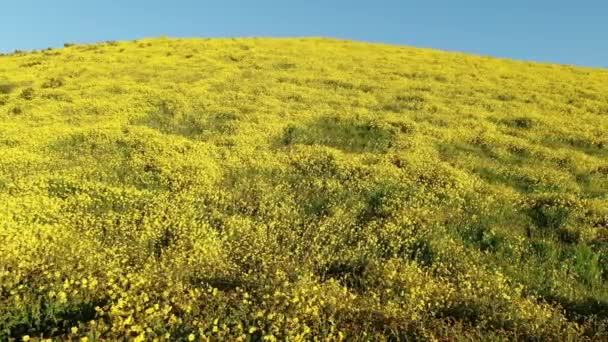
(241,189)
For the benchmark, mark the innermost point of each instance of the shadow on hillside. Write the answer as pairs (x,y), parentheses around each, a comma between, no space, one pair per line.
(583,308)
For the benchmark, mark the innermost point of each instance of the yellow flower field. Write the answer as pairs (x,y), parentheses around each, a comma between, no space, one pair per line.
(300,189)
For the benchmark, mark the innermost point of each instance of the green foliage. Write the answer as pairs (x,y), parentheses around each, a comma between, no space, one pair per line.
(300,189)
(53,83)
(342,133)
(27,93)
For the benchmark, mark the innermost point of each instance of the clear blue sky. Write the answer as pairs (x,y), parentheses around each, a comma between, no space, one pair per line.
(569,32)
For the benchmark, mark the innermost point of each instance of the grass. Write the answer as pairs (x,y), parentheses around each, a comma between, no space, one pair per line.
(300,189)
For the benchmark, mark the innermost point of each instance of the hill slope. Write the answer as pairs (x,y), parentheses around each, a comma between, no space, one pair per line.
(290,188)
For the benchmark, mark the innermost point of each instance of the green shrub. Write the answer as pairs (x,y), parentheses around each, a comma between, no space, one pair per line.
(28,93)
(53,83)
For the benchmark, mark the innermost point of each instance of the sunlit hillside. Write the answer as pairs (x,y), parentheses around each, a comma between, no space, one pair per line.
(300,189)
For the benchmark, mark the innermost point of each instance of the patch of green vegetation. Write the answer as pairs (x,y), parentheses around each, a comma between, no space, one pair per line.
(350,135)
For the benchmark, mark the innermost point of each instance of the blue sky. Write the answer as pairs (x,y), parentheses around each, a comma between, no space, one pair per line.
(568,32)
